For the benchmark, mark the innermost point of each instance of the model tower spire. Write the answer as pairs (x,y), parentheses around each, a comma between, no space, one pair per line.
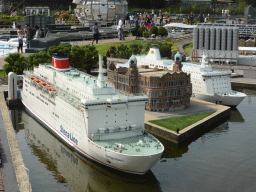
(101,79)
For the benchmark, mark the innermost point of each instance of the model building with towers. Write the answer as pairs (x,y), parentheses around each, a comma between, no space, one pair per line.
(168,90)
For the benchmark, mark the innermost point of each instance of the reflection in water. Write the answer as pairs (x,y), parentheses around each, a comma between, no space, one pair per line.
(172,150)
(76,172)
(16,118)
(236,116)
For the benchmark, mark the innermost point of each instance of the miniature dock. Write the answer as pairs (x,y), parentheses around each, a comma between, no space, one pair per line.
(196,106)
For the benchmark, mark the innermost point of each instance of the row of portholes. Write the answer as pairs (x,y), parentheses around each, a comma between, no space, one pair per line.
(115,114)
(115,121)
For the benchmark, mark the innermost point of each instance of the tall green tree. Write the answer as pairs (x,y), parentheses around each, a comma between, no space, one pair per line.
(77,56)
(16,63)
(91,57)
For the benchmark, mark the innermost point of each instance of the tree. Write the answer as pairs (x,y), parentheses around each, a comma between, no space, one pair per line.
(136,48)
(123,51)
(37,58)
(154,30)
(61,48)
(65,48)
(166,50)
(77,56)
(16,63)
(141,30)
(162,31)
(91,57)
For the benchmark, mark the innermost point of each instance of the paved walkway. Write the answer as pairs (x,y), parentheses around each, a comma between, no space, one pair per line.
(81,43)
(196,106)
(8,174)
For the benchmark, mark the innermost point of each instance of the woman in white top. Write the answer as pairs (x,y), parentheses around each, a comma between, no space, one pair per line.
(20,39)
(37,32)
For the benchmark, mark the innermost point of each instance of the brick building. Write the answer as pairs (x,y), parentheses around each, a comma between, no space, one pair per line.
(167,90)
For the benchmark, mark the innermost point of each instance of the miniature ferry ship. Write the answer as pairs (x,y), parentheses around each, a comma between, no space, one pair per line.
(212,86)
(208,85)
(90,116)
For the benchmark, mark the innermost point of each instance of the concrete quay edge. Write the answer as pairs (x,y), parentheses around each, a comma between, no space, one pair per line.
(221,112)
(21,173)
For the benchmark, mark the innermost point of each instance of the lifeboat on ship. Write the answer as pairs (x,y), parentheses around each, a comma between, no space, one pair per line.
(46,85)
(41,82)
(52,90)
(38,81)
(33,78)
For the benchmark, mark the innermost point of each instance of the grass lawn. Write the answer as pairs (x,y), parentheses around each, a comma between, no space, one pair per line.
(188,50)
(103,48)
(2,74)
(180,122)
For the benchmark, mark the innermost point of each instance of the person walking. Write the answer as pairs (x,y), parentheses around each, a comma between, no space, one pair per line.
(131,19)
(37,32)
(95,31)
(191,18)
(20,39)
(120,29)
(161,19)
(149,20)
(29,35)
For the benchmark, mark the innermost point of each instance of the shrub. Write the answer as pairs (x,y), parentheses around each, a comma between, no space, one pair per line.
(162,31)
(37,58)
(16,63)
(123,51)
(91,57)
(136,48)
(77,56)
(61,48)
(146,34)
(105,60)
(166,51)
(154,30)
(112,51)
(141,30)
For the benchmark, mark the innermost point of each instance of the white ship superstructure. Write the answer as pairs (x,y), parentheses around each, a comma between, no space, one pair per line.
(212,86)
(153,59)
(208,85)
(91,117)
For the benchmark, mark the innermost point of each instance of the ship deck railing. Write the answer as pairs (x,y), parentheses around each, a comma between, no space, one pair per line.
(72,100)
(116,134)
(141,144)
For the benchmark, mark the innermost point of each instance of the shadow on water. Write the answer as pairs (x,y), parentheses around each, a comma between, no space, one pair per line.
(75,171)
(16,120)
(246,90)
(235,116)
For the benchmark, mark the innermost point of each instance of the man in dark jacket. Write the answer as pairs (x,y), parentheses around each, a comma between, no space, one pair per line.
(29,35)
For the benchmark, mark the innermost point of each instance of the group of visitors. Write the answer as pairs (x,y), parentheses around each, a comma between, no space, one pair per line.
(225,12)
(14,13)
(29,35)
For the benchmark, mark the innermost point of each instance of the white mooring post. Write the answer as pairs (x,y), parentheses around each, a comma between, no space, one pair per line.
(12,85)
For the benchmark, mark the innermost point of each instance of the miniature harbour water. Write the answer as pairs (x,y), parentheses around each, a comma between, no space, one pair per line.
(221,159)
